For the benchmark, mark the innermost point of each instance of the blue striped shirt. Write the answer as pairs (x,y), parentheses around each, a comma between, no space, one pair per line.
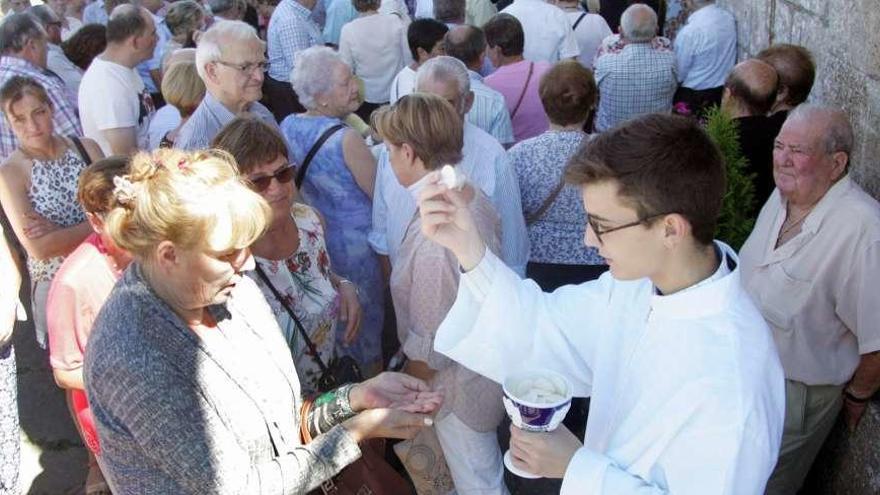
(486,166)
(290,31)
(210,116)
(489,111)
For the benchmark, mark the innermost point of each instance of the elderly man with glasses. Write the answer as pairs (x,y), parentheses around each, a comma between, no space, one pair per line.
(230,61)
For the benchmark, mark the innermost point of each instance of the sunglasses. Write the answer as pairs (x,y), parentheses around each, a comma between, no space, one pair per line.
(282,175)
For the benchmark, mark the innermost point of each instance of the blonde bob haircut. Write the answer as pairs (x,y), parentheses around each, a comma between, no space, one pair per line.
(182,87)
(196,200)
(427,123)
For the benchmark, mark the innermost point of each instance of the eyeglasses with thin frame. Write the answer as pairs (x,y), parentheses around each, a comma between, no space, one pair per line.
(282,175)
(600,232)
(246,68)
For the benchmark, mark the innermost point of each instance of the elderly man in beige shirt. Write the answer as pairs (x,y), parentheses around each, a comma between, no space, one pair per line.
(811,265)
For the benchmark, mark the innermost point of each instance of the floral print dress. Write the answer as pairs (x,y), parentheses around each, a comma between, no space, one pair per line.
(303,279)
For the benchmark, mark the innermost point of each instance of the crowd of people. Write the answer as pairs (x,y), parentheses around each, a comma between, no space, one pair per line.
(244,264)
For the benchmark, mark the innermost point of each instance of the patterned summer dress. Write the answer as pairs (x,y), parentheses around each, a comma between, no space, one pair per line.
(53,197)
(304,281)
(330,187)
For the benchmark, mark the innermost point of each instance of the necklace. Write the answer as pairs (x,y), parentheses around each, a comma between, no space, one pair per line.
(794,224)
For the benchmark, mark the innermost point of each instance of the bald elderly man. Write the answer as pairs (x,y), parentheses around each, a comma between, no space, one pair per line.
(749,94)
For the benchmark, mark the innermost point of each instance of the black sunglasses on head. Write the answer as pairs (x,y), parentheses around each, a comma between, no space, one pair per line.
(282,175)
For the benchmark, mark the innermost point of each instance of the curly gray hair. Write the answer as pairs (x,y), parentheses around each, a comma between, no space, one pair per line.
(312,73)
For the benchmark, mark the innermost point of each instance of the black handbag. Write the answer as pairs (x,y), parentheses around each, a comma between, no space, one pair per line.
(340,370)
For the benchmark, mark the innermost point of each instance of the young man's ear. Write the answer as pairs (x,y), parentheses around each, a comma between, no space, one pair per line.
(422,54)
(676,229)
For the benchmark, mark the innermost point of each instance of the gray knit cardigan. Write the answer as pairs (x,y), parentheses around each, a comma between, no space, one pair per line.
(175,415)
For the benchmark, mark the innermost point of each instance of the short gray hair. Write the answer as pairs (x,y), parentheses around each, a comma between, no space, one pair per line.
(209,48)
(221,6)
(444,69)
(16,30)
(837,130)
(44,14)
(312,72)
(638,23)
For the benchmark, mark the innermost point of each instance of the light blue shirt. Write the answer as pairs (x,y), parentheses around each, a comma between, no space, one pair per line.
(489,111)
(94,13)
(486,166)
(290,31)
(705,48)
(163,34)
(339,13)
(210,116)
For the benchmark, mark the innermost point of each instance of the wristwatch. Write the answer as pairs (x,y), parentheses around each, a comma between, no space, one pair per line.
(357,289)
(852,398)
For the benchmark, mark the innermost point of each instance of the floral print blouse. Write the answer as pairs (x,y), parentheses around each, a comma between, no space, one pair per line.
(303,279)
(557,237)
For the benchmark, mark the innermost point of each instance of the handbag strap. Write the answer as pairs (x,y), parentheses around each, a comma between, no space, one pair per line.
(296,323)
(81,149)
(578,21)
(301,175)
(534,217)
(523,94)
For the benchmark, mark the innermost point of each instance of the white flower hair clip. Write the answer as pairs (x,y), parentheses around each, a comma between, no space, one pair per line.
(452,177)
(123,190)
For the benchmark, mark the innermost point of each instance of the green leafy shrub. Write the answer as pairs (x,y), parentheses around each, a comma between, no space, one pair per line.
(734,222)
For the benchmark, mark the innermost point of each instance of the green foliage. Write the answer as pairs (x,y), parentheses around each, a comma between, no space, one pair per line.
(734,222)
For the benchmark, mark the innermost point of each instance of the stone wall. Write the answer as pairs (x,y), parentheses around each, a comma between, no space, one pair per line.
(844,36)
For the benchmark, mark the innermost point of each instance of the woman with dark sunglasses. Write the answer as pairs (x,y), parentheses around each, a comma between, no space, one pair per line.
(292,254)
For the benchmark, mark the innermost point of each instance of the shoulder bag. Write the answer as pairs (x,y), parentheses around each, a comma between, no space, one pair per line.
(340,370)
(534,217)
(304,166)
(81,149)
(523,94)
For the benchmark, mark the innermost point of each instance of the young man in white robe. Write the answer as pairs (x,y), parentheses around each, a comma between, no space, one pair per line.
(687,391)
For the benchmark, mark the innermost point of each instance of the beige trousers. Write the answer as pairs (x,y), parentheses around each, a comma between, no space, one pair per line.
(810,413)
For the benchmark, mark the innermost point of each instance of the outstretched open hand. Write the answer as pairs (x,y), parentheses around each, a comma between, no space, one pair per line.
(392,390)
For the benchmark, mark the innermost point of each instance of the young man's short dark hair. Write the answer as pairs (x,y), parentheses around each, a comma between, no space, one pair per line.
(505,31)
(424,34)
(662,164)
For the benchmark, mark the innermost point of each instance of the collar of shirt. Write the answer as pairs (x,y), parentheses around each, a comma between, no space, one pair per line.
(416,189)
(705,297)
(703,14)
(219,109)
(298,9)
(10,61)
(474,76)
(814,218)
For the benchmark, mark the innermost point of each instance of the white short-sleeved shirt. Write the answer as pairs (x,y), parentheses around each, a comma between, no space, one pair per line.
(706,48)
(375,47)
(590,31)
(402,85)
(548,34)
(122,101)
